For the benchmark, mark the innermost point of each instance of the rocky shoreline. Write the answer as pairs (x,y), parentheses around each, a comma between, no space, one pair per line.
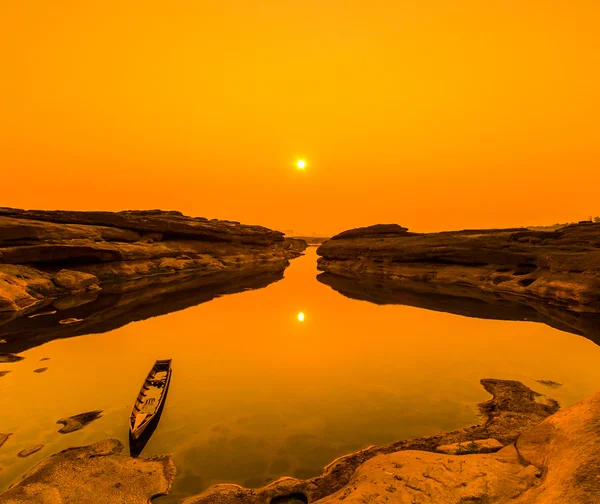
(100,270)
(91,474)
(552,276)
(525,451)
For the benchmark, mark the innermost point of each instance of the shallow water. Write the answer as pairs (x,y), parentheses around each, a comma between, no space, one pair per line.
(257,394)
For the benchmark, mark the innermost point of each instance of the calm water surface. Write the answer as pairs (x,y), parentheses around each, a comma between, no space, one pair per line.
(256,394)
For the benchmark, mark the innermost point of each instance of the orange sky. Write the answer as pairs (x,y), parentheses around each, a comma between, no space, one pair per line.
(430,113)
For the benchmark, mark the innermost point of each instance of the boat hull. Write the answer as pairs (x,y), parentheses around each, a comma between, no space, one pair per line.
(150,402)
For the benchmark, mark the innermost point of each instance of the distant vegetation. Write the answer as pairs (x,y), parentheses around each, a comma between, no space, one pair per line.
(558,225)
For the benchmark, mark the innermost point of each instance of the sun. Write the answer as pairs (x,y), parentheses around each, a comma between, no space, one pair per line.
(300,164)
(301,316)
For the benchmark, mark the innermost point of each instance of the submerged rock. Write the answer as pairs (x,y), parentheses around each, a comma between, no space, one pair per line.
(93,474)
(30,451)
(475,446)
(550,383)
(78,422)
(4,438)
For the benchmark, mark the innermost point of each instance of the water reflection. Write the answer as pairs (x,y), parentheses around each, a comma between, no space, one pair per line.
(467,303)
(259,395)
(121,304)
(300,316)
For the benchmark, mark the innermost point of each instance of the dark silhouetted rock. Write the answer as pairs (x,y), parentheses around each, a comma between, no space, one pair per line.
(378,231)
(77,422)
(8,357)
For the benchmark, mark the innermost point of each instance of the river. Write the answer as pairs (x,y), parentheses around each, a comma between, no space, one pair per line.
(257,393)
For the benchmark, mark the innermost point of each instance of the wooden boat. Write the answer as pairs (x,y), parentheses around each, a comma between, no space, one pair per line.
(151,398)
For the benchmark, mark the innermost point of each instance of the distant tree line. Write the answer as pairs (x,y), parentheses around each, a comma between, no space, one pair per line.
(590,219)
(560,225)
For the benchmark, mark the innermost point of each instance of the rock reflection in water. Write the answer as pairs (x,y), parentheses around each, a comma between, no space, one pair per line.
(127,302)
(466,302)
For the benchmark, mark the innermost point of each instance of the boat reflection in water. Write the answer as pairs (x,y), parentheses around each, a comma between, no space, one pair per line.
(148,406)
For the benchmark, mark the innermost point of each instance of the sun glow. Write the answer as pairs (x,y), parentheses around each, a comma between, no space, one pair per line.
(301,316)
(301,164)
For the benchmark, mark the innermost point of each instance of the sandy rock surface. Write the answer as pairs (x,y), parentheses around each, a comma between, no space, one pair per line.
(93,474)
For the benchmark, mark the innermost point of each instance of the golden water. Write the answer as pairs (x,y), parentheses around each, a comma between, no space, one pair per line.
(257,393)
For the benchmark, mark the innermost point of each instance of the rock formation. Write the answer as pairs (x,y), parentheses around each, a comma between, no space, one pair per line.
(545,459)
(556,461)
(60,262)
(78,422)
(92,474)
(30,451)
(514,409)
(552,277)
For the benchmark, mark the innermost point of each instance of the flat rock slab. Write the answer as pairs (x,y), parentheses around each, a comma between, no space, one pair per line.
(91,475)
(3,373)
(77,422)
(414,477)
(40,370)
(476,446)
(74,280)
(30,451)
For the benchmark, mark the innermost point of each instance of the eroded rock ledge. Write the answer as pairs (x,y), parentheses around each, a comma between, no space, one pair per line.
(47,255)
(554,274)
(514,409)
